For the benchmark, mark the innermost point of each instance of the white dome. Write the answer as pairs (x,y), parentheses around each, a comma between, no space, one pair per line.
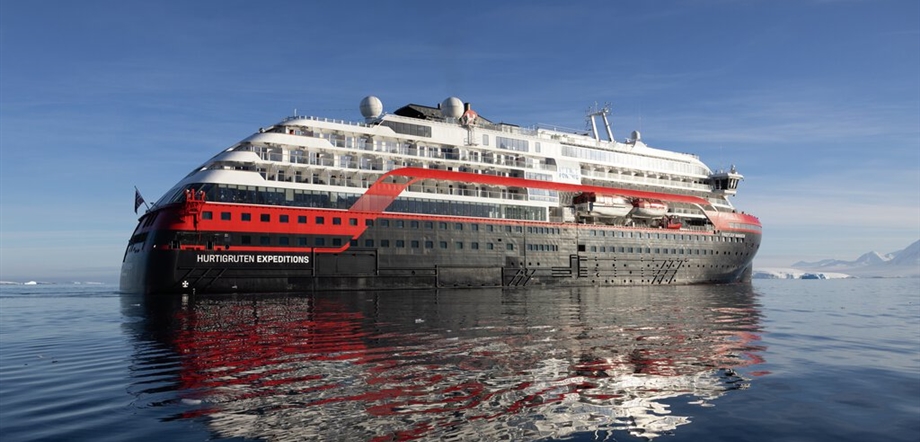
(452,107)
(371,107)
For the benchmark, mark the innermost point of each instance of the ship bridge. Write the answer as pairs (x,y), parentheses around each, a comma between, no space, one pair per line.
(725,183)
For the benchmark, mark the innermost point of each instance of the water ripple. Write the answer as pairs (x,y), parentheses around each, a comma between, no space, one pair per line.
(489,364)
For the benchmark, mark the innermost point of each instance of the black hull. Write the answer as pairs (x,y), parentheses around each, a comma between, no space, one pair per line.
(726,260)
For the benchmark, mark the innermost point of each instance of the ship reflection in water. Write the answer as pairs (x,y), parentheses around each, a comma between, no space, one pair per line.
(484,365)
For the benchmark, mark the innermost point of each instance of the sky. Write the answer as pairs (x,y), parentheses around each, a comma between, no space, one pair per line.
(817,103)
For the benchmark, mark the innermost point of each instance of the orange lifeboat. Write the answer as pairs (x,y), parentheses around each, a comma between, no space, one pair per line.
(648,209)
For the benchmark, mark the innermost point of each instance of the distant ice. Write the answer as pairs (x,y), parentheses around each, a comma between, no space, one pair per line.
(903,263)
(790,273)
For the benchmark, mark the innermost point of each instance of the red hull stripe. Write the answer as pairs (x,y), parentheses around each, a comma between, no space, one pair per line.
(271,249)
(735,221)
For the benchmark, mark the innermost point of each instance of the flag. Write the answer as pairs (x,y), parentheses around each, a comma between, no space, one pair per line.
(138,199)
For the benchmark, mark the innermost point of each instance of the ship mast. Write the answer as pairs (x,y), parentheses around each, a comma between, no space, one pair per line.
(602,112)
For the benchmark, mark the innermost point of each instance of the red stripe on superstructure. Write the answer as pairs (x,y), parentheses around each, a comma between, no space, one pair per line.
(381,194)
(376,198)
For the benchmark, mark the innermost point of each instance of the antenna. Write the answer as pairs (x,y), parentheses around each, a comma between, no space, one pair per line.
(640,117)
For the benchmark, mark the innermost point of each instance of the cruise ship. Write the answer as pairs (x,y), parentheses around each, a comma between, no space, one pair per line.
(440,196)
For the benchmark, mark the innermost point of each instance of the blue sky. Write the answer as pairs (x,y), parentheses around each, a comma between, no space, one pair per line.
(817,103)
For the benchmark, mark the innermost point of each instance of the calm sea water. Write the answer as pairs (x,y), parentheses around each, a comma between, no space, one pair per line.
(774,361)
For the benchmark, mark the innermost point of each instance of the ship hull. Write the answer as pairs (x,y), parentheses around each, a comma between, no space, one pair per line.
(472,255)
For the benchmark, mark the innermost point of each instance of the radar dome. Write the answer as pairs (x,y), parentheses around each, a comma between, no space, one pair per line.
(371,107)
(452,107)
(636,135)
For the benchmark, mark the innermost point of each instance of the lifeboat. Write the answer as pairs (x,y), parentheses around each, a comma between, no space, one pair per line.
(671,222)
(589,204)
(648,209)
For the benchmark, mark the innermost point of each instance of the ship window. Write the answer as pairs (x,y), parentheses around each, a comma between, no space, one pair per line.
(225,216)
(301,219)
(429,225)
(207,215)
(529,247)
(474,246)
(519,229)
(509,246)
(400,243)
(283,241)
(512,144)
(369,222)
(442,225)
(458,226)
(442,244)
(265,217)
(657,250)
(282,218)
(408,128)
(413,224)
(429,244)
(384,243)
(458,245)
(302,241)
(490,228)
(593,248)
(384,223)
(353,243)
(320,220)
(485,139)
(336,242)
(246,239)
(320,241)
(368,243)
(353,221)
(508,228)
(400,224)
(490,246)
(336,221)
(264,240)
(414,244)
(474,227)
